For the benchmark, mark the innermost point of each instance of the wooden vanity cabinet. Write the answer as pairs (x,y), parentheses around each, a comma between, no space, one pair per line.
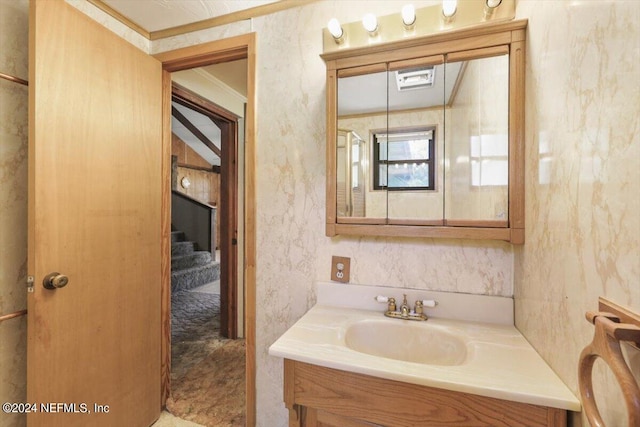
(323,397)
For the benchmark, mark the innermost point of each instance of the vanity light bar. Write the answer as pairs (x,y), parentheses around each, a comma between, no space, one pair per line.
(408,14)
(411,22)
(370,23)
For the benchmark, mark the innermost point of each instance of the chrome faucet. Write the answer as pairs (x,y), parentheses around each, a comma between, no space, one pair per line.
(405,312)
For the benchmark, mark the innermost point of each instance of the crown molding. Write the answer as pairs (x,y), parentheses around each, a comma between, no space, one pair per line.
(228,18)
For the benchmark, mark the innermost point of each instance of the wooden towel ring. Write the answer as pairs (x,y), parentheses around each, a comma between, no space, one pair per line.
(606,344)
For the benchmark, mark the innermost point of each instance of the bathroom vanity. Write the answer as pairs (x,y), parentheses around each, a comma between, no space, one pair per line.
(320,396)
(350,365)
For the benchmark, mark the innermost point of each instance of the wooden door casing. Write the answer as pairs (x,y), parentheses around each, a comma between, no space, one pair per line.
(233,48)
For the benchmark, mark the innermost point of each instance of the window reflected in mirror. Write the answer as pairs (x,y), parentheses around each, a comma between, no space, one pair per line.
(404,159)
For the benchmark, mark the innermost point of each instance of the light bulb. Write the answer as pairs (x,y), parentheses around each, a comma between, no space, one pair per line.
(493,3)
(449,7)
(370,23)
(408,15)
(335,28)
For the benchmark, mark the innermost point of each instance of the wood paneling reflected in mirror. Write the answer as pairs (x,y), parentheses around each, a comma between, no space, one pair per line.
(425,136)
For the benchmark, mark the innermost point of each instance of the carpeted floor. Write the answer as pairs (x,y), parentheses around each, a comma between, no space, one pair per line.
(207,371)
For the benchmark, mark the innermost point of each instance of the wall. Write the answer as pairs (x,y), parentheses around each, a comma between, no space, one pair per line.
(582,180)
(209,87)
(205,184)
(13,204)
(186,156)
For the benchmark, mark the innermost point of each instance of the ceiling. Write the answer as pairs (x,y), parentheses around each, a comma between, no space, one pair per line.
(204,125)
(157,15)
(378,92)
(234,75)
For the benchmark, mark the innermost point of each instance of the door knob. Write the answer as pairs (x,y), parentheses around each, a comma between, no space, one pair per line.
(55,281)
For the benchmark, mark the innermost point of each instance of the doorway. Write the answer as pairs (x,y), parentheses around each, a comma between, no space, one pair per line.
(206,138)
(206,345)
(228,50)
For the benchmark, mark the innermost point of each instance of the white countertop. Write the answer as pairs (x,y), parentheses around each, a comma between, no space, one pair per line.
(500,363)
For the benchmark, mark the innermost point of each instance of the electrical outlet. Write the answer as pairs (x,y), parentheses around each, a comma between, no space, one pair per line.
(340,269)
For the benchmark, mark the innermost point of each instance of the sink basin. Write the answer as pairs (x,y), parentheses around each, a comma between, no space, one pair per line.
(409,342)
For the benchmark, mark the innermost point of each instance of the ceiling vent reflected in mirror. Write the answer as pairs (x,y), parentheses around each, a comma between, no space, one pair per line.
(417,78)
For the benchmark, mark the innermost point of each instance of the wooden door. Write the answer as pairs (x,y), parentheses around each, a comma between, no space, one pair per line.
(95,201)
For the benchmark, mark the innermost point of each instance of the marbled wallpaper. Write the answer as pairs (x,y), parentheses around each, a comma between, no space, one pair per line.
(582,180)
(13,204)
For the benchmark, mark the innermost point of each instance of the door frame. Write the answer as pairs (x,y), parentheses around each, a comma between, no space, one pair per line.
(230,49)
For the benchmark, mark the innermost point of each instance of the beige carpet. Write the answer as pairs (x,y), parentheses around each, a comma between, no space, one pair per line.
(212,392)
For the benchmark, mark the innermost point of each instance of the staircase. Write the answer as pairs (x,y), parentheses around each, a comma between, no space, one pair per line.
(190,268)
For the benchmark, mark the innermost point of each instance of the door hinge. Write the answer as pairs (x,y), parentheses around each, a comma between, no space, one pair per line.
(30,281)
(234,241)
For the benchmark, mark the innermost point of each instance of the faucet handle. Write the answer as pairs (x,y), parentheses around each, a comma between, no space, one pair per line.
(428,302)
(420,304)
(417,308)
(391,302)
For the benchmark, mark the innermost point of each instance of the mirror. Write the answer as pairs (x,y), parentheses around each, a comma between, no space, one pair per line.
(350,174)
(477,142)
(362,103)
(427,145)
(414,141)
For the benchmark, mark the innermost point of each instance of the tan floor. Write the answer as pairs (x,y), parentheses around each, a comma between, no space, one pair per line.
(168,420)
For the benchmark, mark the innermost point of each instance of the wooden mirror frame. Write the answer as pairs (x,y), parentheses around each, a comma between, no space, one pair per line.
(472,42)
